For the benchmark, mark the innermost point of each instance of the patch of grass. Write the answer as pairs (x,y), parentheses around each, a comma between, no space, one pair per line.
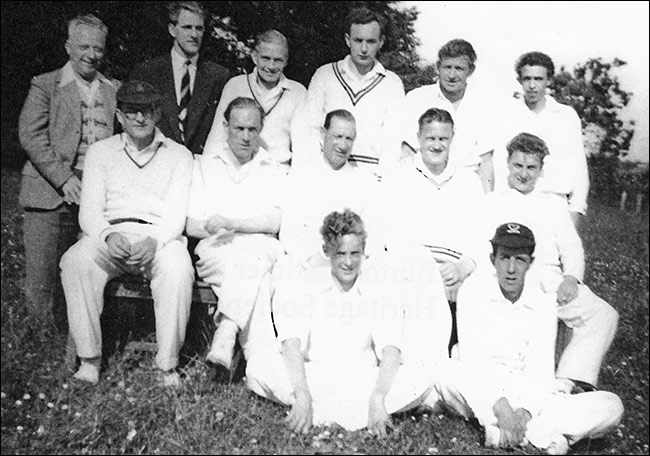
(45,412)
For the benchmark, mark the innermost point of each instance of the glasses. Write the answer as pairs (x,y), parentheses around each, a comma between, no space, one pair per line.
(131,112)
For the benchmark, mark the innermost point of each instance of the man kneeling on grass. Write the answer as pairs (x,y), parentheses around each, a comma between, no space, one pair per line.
(506,343)
(134,199)
(338,358)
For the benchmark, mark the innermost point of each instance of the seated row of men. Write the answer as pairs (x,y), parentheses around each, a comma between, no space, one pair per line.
(428,225)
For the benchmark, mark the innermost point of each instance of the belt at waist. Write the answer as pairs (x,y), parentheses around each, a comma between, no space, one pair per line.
(128,220)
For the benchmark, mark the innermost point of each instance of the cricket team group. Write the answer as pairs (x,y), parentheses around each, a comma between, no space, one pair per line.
(371,251)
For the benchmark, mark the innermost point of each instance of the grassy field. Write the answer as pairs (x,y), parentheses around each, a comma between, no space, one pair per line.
(45,412)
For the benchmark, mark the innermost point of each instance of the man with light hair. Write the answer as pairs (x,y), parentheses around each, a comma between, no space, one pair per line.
(65,112)
(190,84)
(267,84)
(472,146)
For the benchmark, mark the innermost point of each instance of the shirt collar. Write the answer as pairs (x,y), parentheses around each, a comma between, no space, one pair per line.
(551,104)
(68,75)
(178,60)
(262,157)
(440,179)
(527,298)
(346,67)
(158,140)
(327,282)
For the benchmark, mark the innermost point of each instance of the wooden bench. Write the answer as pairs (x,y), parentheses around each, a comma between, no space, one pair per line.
(128,318)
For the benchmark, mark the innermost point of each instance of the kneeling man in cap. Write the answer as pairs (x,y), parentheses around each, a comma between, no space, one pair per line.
(134,199)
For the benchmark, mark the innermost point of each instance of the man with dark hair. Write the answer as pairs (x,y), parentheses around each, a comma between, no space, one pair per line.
(190,85)
(332,183)
(65,112)
(565,169)
(560,262)
(506,329)
(360,84)
(134,199)
(267,84)
(471,148)
(234,211)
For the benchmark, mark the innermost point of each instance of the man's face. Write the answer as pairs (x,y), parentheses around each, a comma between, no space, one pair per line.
(511,265)
(453,73)
(364,41)
(346,260)
(338,140)
(138,121)
(524,170)
(270,58)
(244,128)
(534,81)
(435,139)
(188,33)
(86,48)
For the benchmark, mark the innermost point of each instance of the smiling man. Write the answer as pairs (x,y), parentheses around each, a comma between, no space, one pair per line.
(453,93)
(565,169)
(65,112)
(506,328)
(267,84)
(234,211)
(360,84)
(560,261)
(190,85)
(134,199)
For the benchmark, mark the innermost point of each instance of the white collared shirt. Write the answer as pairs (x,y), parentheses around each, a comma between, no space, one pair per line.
(178,65)
(220,185)
(87,91)
(335,326)
(518,338)
(565,169)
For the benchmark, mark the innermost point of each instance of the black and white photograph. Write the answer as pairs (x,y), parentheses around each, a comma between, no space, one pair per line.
(354,227)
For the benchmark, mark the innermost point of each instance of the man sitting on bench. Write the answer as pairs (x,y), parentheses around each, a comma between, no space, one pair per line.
(134,199)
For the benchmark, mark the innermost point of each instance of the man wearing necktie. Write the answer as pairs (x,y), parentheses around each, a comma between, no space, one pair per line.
(190,86)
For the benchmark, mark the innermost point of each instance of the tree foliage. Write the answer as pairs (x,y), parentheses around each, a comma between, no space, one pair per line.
(595,93)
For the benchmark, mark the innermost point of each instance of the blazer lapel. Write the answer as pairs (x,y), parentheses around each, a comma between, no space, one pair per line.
(169,103)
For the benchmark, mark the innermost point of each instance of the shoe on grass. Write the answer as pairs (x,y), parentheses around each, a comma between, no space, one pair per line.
(171,379)
(223,344)
(88,372)
(559,445)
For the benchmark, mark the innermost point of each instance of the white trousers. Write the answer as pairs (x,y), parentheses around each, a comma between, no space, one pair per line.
(472,392)
(340,393)
(86,268)
(239,266)
(593,324)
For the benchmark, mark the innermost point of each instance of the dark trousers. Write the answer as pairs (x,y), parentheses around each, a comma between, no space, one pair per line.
(47,234)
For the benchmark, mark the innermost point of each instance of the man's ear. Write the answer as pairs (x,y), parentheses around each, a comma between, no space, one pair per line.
(347,39)
(492,258)
(254,55)
(171,28)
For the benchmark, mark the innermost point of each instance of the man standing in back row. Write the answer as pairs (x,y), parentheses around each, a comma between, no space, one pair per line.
(275,93)
(359,84)
(190,86)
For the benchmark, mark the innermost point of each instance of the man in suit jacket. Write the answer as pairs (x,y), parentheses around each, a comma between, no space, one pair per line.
(189,126)
(66,110)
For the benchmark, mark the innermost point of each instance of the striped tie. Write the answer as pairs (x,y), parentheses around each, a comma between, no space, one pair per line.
(185,99)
